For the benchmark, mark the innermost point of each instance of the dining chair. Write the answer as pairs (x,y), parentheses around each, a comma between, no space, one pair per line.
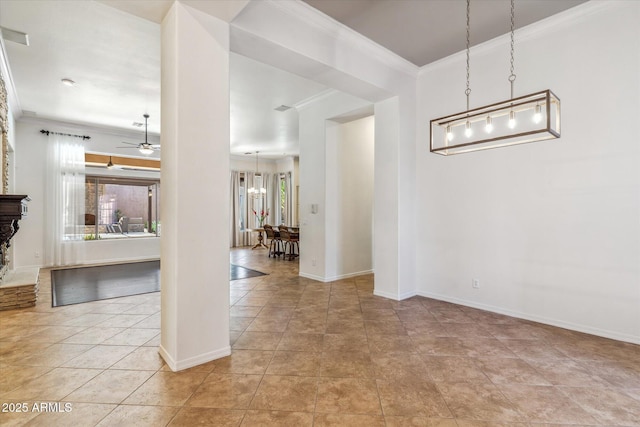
(275,243)
(290,240)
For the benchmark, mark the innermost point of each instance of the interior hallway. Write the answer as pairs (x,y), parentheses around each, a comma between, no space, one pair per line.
(310,353)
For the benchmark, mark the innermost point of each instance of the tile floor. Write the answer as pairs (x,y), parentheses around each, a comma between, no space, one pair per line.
(308,353)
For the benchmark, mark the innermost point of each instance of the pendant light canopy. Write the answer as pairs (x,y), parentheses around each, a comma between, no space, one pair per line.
(529,118)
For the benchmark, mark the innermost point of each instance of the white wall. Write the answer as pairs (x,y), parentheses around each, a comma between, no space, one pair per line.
(314,170)
(30,167)
(349,232)
(551,229)
(299,39)
(248,163)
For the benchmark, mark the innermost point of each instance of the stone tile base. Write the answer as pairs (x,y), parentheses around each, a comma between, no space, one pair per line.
(19,289)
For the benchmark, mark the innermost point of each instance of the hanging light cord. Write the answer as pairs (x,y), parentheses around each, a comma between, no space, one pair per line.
(468,91)
(512,76)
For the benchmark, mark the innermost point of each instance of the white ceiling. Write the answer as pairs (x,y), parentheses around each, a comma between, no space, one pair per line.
(117,65)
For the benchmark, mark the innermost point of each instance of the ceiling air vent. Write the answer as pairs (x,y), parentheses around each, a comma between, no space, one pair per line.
(14,36)
(282,108)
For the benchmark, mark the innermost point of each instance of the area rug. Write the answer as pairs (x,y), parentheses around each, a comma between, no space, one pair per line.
(85,284)
(237,272)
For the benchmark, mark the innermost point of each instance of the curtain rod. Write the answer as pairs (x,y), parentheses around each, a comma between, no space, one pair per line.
(46,132)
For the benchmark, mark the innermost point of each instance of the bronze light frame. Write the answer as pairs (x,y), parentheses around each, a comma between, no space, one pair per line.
(549,128)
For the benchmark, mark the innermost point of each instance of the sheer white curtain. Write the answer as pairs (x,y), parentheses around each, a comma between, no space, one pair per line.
(288,194)
(267,200)
(64,202)
(238,215)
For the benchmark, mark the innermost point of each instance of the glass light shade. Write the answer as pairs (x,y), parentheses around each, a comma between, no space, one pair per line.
(537,116)
(489,126)
(512,119)
(467,129)
(146,150)
(502,136)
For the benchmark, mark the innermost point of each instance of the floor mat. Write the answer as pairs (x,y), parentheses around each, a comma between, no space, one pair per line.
(237,272)
(85,284)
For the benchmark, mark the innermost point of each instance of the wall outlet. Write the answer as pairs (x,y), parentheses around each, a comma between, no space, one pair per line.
(475,283)
(313,262)
(36,254)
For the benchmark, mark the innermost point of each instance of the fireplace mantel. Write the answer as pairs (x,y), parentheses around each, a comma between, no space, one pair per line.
(13,207)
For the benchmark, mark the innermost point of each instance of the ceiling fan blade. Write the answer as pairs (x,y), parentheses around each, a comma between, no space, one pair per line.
(127,147)
(130,143)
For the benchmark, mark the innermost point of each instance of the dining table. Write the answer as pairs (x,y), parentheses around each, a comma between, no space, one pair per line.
(260,243)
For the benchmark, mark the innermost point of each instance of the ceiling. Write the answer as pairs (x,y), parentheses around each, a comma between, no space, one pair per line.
(116,67)
(423,31)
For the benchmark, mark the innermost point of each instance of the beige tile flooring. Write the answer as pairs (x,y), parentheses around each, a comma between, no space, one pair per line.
(308,353)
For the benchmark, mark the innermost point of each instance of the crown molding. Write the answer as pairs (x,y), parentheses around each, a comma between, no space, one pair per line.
(301,105)
(553,23)
(300,10)
(84,127)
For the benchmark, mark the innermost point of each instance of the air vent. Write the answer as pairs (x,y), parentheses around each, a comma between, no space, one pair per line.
(282,108)
(15,36)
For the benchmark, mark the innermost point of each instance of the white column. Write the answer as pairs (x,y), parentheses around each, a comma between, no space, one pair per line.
(394,213)
(195,188)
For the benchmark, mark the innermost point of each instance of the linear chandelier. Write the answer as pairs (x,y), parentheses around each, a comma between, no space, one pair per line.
(529,118)
(260,190)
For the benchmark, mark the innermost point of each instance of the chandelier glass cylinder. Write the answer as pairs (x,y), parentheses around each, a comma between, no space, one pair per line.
(529,118)
(257,191)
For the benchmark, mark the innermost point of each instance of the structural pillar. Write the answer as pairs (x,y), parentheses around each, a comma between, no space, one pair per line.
(195,188)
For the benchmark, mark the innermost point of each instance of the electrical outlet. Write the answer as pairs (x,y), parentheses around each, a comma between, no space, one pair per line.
(475,283)
(313,262)
(36,254)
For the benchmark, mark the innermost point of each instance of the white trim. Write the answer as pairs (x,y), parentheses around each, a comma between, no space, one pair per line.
(300,10)
(314,98)
(553,23)
(12,93)
(540,319)
(348,275)
(179,365)
(334,278)
(395,297)
(312,277)
(86,127)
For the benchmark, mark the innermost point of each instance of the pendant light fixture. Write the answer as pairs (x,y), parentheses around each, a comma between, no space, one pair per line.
(529,118)
(259,191)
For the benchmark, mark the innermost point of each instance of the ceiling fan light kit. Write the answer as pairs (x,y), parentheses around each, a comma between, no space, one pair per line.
(529,118)
(144,147)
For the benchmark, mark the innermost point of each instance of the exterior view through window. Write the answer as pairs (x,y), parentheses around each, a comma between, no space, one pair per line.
(119,208)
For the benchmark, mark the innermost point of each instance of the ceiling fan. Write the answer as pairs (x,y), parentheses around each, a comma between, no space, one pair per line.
(144,147)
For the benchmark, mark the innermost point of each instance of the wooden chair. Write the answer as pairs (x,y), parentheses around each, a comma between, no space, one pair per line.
(291,240)
(275,243)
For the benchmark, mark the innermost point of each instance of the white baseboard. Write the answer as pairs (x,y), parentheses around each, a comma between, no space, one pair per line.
(334,278)
(534,318)
(179,365)
(312,277)
(395,297)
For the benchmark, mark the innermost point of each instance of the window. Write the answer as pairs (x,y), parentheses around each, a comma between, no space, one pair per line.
(119,208)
